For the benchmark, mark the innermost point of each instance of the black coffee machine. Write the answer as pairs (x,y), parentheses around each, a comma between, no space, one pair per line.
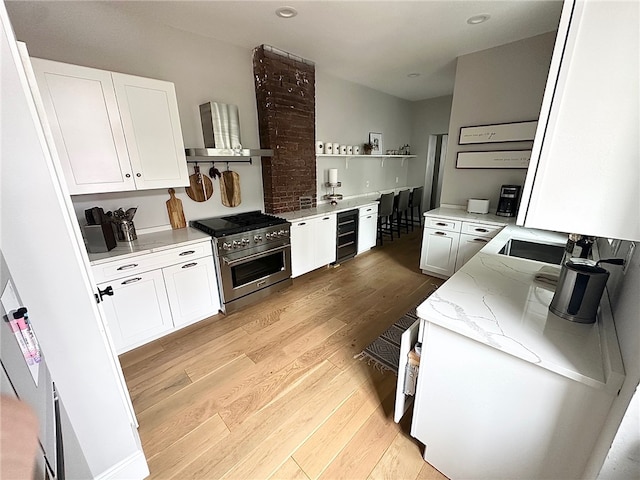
(508,202)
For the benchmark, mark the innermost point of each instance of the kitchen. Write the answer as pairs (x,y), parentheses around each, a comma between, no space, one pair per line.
(151,205)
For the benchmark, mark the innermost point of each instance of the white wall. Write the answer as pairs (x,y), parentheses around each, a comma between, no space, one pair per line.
(499,85)
(345,114)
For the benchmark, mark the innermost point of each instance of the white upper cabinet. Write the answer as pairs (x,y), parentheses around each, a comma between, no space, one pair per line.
(113,132)
(584,175)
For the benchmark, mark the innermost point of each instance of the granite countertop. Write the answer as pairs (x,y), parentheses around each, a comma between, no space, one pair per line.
(150,242)
(495,300)
(462,215)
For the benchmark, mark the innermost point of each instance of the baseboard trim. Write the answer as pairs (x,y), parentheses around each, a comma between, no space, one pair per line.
(134,467)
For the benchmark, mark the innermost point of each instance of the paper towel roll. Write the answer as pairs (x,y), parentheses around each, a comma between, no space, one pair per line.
(478,205)
(333,175)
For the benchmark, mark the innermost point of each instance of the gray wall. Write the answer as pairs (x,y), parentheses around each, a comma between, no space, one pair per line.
(500,85)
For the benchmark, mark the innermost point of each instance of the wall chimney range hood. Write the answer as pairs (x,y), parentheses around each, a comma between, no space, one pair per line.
(221,132)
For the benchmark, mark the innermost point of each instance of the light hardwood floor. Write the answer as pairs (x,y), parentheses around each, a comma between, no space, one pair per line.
(274,391)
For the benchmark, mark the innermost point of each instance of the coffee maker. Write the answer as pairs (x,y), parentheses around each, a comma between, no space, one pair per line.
(508,202)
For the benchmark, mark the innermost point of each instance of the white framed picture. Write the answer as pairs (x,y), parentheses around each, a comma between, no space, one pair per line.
(498,159)
(504,132)
(375,139)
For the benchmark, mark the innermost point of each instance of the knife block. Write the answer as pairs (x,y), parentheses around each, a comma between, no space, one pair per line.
(99,238)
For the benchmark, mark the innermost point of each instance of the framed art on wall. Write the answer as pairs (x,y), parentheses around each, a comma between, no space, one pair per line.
(375,139)
(499,159)
(504,132)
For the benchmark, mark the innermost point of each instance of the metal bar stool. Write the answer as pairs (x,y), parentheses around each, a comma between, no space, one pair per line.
(385,216)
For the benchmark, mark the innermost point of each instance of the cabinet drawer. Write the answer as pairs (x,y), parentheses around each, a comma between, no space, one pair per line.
(369,210)
(480,230)
(142,263)
(442,224)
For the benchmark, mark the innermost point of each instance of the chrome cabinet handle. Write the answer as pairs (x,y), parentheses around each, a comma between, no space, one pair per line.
(188,252)
(131,280)
(128,175)
(482,230)
(483,240)
(301,224)
(440,224)
(441,233)
(127,267)
(189,265)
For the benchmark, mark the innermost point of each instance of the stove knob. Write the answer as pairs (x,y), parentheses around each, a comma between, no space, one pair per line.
(257,238)
(236,243)
(226,246)
(245,242)
(282,233)
(268,235)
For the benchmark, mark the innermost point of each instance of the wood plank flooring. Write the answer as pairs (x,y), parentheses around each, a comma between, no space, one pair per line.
(274,392)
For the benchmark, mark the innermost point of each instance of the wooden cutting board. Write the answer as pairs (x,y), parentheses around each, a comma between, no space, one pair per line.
(200,187)
(230,188)
(174,209)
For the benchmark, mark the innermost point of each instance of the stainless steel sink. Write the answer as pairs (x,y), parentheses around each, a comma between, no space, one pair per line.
(533,251)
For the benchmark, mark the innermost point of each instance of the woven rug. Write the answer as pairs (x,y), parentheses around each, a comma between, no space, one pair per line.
(384,352)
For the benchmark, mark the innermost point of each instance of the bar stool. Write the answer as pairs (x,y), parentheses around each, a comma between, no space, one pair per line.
(415,201)
(402,210)
(385,216)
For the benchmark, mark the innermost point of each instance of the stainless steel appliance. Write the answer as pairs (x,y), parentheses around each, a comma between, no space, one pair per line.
(253,256)
(580,288)
(508,201)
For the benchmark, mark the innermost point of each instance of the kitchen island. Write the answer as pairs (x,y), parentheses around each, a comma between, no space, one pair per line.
(507,389)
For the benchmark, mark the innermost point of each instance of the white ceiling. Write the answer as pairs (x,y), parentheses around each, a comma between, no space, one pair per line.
(372,43)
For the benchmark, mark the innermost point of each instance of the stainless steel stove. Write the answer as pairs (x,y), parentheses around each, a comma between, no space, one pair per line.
(253,256)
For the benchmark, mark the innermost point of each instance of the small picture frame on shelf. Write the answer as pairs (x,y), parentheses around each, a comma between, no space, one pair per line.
(375,139)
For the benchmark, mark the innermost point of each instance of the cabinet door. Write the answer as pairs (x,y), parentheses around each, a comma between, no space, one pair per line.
(138,311)
(302,247)
(85,122)
(192,289)
(367,232)
(149,113)
(469,245)
(439,249)
(325,240)
(584,169)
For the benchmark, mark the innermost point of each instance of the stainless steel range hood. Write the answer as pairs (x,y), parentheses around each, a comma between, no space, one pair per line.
(221,132)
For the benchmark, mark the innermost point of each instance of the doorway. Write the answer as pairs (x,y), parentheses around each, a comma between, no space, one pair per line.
(436,156)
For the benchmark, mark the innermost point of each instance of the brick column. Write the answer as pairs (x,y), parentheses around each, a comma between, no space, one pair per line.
(285,94)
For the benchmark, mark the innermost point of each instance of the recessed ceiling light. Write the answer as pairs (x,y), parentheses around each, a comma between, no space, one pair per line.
(413,75)
(286,12)
(476,19)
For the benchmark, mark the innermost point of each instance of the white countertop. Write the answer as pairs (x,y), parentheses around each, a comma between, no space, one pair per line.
(462,215)
(150,242)
(494,300)
(324,209)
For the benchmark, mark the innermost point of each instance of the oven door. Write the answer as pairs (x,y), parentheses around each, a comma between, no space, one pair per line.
(251,270)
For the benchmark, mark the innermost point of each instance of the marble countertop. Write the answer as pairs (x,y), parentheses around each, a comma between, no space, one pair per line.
(324,209)
(495,300)
(462,215)
(150,242)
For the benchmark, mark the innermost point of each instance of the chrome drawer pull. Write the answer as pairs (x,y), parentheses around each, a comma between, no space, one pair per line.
(127,267)
(131,280)
(440,224)
(483,230)
(441,233)
(301,224)
(188,252)
(188,265)
(480,240)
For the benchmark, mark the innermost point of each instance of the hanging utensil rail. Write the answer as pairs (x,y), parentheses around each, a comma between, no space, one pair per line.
(248,160)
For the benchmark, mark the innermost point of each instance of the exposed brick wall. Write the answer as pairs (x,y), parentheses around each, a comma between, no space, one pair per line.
(285,94)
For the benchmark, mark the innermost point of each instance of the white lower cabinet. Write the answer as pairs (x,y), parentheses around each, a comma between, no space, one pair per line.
(161,292)
(367,228)
(448,244)
(192,290)
(138,310)
(439,251)
(313,243)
